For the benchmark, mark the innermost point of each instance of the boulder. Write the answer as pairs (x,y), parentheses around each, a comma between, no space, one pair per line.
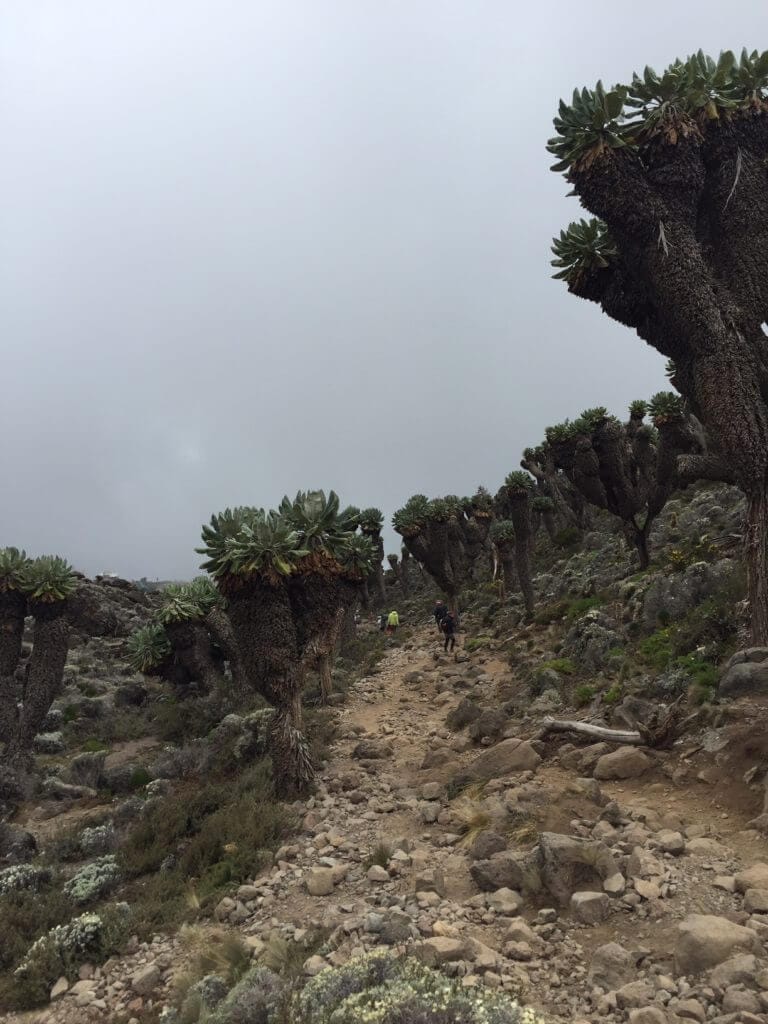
(372,750)
(146,979)
(505,758)
(612,966)
(746,677)
(462,715)
(567,864)
(485,845)
(505,901)
(739,970)
(501,871)
(705,941)
(704,847)
(441,950)
(320,882)
(754,877)
(670,841)
(490,724)
(590,907)
(756,901)
(17,846)
(633,994)
(647,1015)
(623,763)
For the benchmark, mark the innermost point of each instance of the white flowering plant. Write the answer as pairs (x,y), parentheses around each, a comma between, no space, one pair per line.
(94,880)
(22,876)
(381,989)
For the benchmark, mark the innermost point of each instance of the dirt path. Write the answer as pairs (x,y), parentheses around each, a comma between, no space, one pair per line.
(371,799)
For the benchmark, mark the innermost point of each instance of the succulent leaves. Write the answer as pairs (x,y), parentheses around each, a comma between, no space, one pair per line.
(147,647)
(13,566)
(48,579)
(307,533)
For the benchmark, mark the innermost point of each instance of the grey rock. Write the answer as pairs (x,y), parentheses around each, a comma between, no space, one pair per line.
(612,966)
(705,940)
(590,907)
(567,864)
(624,763)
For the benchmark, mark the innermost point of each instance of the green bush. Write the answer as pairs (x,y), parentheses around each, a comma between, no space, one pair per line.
(476,643)
(551,613)
(584,694)
(210,835)
(61,951)
(564,666)
(92,746)
(568,537)
(612,695)
(582,605)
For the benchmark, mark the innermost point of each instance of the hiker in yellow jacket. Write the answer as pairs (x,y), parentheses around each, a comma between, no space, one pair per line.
(393,621)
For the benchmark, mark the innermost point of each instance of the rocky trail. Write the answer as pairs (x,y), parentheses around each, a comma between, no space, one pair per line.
(563,872)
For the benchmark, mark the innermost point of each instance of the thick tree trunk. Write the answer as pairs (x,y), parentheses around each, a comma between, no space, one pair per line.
(757,565)
(549,524)
(292,766)
(221,630)
(640,539)
(13,608)
(523,565)
(46,672)
(192,649)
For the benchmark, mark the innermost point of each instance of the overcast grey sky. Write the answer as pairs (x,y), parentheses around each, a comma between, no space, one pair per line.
(249,246)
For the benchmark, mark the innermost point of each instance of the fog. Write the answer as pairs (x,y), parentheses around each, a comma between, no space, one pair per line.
(251,247)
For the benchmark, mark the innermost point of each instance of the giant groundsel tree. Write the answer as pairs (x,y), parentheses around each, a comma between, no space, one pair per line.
(674,166)
(446,536)
(287,575)
(38,587)
(629,469)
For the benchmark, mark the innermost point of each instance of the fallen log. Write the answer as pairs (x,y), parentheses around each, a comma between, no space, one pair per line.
(661,730)
(598,732)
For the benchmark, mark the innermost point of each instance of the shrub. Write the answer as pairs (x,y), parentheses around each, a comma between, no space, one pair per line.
(219,833)
(97,840)
(612,695)
(476,643)
(256,999)
(23,876)
(61,951)
(551,613)
(94,880)
(568,537)
(92,746)
(565,666)
(583,695)
(25,915)
(582,605)
(381,989)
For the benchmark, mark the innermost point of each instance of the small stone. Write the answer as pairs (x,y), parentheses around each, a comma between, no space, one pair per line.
(671,842)
(647,1015)
(441,950)
(320,882)
(59,989)
(376,873)
(505,901)
(624,763)
(590,907)
(756,901)
(146,980)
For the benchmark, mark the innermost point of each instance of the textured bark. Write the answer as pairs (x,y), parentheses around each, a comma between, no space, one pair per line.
(220,629)
(44,680)
(267,637)
(701,297)
(292,766)
(757,563)
(448,550)
(191,648)
(13,606)
(516,505)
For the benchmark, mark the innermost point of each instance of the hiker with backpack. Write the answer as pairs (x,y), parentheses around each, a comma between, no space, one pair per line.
(449,630)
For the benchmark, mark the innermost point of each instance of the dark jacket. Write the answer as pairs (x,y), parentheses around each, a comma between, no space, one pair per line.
(440,612)
(449,624)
